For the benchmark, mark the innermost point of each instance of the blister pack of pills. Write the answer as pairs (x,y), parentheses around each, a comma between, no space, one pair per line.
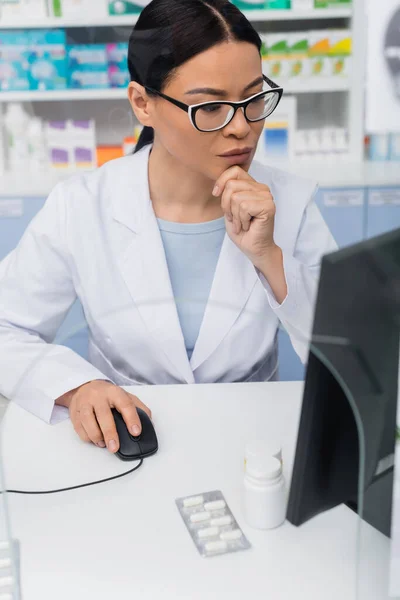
(211,524)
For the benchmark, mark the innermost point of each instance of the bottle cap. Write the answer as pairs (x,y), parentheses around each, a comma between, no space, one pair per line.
(269,469)
(258,450)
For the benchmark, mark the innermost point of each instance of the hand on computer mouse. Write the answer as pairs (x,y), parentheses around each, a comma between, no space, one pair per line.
(90,411)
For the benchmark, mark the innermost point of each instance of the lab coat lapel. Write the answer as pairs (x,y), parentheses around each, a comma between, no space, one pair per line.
(234,280)
(144,267)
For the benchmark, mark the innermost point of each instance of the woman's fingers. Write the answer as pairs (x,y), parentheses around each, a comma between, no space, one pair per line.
(139,404)
(91,426)
(80,430)
(231,187)
(91,413)
(124,403)
(231,202)
(107,425)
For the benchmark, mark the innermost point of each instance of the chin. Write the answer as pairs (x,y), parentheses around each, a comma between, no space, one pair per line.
(245,167)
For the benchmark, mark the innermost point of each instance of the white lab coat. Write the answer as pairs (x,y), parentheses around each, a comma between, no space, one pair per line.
(97,239)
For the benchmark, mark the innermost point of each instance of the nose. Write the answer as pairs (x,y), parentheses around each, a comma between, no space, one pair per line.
(239,125)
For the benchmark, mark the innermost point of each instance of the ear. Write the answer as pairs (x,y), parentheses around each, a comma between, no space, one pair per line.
(140,102)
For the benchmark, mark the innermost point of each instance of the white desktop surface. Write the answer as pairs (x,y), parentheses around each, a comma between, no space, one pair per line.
(125,538)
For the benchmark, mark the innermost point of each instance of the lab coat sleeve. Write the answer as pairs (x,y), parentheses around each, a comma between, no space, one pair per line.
(296,313)
(36,292)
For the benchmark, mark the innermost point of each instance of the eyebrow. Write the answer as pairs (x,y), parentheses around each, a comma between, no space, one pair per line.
(214,92)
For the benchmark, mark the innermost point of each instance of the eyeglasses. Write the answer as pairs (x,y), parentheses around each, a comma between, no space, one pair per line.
(212,116)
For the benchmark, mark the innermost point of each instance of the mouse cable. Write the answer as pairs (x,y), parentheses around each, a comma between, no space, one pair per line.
(75,487)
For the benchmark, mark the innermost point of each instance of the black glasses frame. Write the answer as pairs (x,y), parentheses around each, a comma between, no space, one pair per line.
(192,109)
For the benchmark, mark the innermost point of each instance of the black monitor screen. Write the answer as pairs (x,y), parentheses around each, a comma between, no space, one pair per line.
(348,419)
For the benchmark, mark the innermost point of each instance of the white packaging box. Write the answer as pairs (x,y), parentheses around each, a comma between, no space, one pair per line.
(72,144)
(340,43)
(302,5)
(319,44)
(58,143)
(82,135)
(299,61)
(277,64)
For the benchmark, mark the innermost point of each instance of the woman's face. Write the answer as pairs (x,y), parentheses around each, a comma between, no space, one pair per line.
(230,69)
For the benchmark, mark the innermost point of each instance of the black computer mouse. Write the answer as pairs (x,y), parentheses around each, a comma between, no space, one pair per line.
(134,448)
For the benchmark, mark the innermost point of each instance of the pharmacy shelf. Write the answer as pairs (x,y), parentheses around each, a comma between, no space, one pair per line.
(63,95)
(130,20)
(315,85)
(348,174)
(293,86)
(333,175)
(298,15)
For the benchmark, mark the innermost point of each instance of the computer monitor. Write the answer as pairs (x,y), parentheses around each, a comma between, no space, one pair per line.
(348,419)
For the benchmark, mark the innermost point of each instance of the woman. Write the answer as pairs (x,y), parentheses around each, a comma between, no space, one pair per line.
(185,256)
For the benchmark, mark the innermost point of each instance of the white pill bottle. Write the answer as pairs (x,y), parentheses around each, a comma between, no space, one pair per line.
(264,494)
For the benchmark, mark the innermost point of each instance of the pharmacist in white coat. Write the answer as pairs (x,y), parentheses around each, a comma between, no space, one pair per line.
(185,261)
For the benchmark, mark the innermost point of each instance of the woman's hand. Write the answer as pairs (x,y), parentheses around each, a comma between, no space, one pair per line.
(250,218)
(90,411)
(250,213)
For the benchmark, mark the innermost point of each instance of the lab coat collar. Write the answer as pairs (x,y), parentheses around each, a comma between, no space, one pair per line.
(129,189)
(145,270)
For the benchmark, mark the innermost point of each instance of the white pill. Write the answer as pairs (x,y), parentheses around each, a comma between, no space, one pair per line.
(208,532)
(200,516)
(234,534)
(215,505)
(216,546)
(193,501)
(227,520)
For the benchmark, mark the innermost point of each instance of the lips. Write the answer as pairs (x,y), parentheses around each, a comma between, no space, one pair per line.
(237,152)
(237,159)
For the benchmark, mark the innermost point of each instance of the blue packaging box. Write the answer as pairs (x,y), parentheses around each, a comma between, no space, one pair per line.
(88,80)
(14,66)
(394,146)
(87,66)
(379,148)
(118,73)
(117,55)
(47,59)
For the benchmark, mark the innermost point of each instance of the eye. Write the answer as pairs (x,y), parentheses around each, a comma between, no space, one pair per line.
(211,108)
(258,101)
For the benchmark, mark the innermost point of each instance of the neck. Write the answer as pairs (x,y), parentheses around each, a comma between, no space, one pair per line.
(179,193)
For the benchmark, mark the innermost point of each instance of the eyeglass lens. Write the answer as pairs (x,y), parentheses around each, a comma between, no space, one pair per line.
(215,116)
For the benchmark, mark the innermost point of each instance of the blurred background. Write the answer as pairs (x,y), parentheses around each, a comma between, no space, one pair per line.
(64,108)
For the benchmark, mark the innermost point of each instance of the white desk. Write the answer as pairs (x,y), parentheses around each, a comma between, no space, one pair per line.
(125,538)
